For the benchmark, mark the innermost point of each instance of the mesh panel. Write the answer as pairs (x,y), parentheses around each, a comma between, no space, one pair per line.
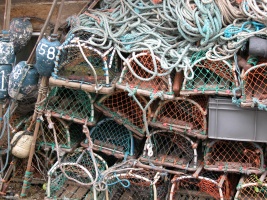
(204,186)
(124,109)
(172,150)
(211,77)
(112,138)
(251,187)
(72,67)
(255,85)
(158,83)
(182,115)
(68,134)
(135,185)
(243,157)
(74,105)
(59,184)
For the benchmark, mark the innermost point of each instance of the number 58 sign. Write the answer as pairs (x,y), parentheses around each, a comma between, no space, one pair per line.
(46,52)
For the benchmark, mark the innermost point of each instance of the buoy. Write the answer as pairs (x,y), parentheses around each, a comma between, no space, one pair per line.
(258,47)
(20,31)
(23,81)
(21,143)
(46,52)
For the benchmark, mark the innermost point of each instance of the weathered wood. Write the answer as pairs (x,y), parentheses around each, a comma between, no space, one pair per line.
(80,193)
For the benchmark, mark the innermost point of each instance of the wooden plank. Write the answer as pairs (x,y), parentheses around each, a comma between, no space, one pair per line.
(80,193)
(69,192)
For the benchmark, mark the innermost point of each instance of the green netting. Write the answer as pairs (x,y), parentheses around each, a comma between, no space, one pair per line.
(172,150)
(70,104)
(112,138)
(211,77)
(74,166)
(68,134)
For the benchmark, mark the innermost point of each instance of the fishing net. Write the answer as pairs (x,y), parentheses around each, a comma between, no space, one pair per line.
(123,109)
(255,87)
(112,138)
(141,185)
(172,150)
(252,187)
(69,134)
(181,115)
(72,105)
(211,77)
(231,156)
(80,166)
(206,185)
(141,73)
(84,67)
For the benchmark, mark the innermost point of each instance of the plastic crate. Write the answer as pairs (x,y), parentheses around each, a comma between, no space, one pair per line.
(229,122)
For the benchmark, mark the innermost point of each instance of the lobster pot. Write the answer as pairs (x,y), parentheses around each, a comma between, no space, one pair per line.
(211,77)
(252,187)
(46,52)
(23,81)
(133,75)
(254,89)
(233,156)
(84,67)
(71,105)
(124,109)
(181,115)
(20,32)
(206,185)
(112,138)
(68,134)
(141,185)
(171,149)
(78,166)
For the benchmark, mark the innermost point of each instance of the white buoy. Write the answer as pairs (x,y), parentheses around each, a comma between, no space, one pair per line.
(22,146)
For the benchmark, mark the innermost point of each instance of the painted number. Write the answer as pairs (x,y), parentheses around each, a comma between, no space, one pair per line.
(51,51)
(3,77)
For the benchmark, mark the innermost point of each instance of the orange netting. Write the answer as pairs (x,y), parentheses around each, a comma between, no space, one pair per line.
(182,115)
(252,187)
(123,108)
(242,157)
(145,86)
(255,85)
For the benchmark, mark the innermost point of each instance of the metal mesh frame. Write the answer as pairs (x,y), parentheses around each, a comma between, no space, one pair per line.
(254,82)
(232,156)
(72,69)
(140,187)
(157,84)
(211,77)
(70,104)
(123,109)
(207,185)
(112,138)
(181,115)
(252,187)
(172,149)
(69,134)
(58,183)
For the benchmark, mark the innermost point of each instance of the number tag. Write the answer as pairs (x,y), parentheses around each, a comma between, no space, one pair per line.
(50,52)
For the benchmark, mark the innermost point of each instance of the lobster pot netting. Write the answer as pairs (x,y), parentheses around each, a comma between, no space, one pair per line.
(123,109)
(171,149)
(141,185)
(68,134)
(211,77)
(255,86)
(79,166)
(252,187)
(69,104)
(232,156)
(112,138)
(181,115)
(133,75)
(85,67)
(208,185)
